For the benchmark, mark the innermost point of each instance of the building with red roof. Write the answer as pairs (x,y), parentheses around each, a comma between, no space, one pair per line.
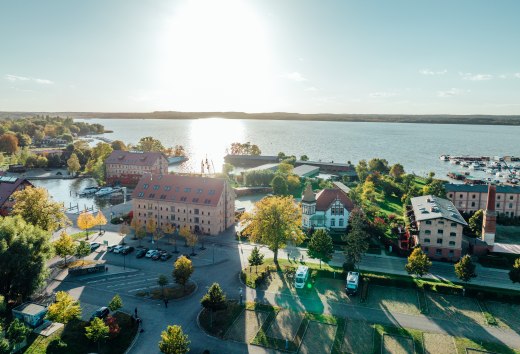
(127,167)
(206,205)
(9,185)
(328,209)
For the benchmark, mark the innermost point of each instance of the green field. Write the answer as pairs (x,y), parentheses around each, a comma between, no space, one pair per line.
(508,234)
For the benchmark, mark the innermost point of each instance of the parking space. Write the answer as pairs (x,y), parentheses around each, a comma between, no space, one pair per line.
(126,284)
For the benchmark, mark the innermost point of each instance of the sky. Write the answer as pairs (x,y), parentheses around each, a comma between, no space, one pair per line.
(319,56)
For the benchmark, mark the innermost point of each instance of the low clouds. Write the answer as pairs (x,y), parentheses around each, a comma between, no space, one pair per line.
(383,94)
(429,72)
(451,92)
(517,75)
(475,77)
(17,78)
(295,76)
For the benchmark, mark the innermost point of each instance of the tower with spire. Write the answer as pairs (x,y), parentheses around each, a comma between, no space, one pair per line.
(489,221)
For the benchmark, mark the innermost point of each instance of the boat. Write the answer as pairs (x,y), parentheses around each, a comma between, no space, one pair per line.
(445,157)
(88,191)
(104,191)
(456,176)
(172,160)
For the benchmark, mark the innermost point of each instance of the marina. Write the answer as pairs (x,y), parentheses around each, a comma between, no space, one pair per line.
(487,169)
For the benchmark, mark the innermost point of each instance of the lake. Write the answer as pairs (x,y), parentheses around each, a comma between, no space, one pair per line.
(416,146)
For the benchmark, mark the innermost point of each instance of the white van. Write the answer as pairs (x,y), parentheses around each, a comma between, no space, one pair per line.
(301,276)
(351,287)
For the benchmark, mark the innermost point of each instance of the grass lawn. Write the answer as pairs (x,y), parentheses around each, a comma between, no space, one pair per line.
(173,292)
(358,338)
(463,343)
(390,205)
(318,338)
(77,263)
(456,308)
(393,299)
(247,325)
(78,236)
(435,343)
(415,335)
(507,315)
(285,325)
(73,340)
(508,234)
(397,344)
(222,319)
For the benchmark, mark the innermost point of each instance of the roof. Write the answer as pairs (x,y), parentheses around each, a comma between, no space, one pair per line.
(506,248)
(480,188)
(428,207)
(325,198)
(308,194)
(305,170)
(133,158)
(176,188)
(341,186)
(267,166)
(9,185)
(30,309)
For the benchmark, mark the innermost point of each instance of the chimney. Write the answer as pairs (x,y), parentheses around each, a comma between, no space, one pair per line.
(489,222)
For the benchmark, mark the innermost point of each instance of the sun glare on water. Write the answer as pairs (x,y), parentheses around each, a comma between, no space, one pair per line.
(216,56)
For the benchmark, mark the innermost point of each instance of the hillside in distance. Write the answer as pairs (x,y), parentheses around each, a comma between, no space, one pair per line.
(379,118)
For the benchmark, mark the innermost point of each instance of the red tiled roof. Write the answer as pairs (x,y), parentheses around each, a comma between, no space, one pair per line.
(8,188)
(180,189)
(133,158)
(325,198)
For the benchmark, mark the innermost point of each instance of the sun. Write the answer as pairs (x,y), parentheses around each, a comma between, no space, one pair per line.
(216,55)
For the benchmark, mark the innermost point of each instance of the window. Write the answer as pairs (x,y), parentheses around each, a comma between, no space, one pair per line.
(498,197)
(211,192)
(461,195)
(167,188)
(195,200)
(141,194)
(453,224)
(426,250)
(441,222)
(332,222)
(337,208)
(145,186)
(452,243)
(439,241)
(438,252)
(187,190)
(453,234)
(196,220)
(196,211)
(440,231)
(426,240)
(428,222)
(163,196)
(451,253)
(451,195)
(510,197)
(510,205)
(474,196)
(177,189)
(151,195)
(340,222)
(199,190)
(156,187)
(472,204)
(498,205)
(183,199)
(427,232)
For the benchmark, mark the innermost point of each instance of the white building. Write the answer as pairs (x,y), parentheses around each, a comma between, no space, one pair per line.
(328,209)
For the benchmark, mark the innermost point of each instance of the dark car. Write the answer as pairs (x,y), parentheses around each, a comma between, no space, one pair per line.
(156,256)
(141,252)
(127,249)
(165,256)
(94,246)
(102,312)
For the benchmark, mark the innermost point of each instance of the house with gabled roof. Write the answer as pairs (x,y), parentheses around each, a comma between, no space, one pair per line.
(127,167)
(328,209)
(204,204)
(9,185)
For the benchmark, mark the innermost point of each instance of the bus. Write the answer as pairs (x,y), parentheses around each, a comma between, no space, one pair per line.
(301,276)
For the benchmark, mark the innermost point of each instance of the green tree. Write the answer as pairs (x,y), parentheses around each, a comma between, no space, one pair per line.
(362,170)
(118,145)
(162,281)
(378,165)
(64,309)
(397,171)
(304,158)
(97,331)
(73,164)
(17,332)
(214,300)
(5,347)
(418,263)
(183,269)
(514,273)
(435,188)
(116,303)
(369,191)
(64,246)
(227,168)
(475,222)
(8,143)
(256,258)
(24,251)
(273,222)
(279,184)
(321,246)
(149,144)
(356,240)
(174,341)
(36,207)
(465,269)
(83,249)
(285,168)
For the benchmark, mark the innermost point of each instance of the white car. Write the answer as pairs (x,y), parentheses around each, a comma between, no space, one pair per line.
(118,249)
(150,253)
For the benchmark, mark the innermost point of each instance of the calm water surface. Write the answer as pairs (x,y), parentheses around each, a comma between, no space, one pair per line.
(416,146)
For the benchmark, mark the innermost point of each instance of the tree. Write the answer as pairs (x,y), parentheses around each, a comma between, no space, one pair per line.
(34,205)
(369,191)
(149,144)
(86,221)
(8,143)
(285,168)
(191,240)
(17,332)
(214,300)
(185,233)
(151,225)
(174,341)
(118,145)
(124,230)
(418,263)
(279,184)
(24,251)
(140,233)
(183,269)
(397,171)
(321,246)
(362,170)
(162,281)
(378,165)
(227,168)
(64,246)
(64,309)
(73,164)
(465,269)
(113,326)
(100,219)
(168,229)
(435,188)
(273,222)
(356,241)
(116,303)
(83,249)
(256,258)
(157,235)
(514,273)
(304,158)
(97,331)
(475,222)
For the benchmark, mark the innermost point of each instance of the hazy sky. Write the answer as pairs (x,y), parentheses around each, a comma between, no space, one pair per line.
(339,56)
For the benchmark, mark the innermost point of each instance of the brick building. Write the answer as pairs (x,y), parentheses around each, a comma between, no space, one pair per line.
(437,226)
(127,167)
(9,185)
(206,205)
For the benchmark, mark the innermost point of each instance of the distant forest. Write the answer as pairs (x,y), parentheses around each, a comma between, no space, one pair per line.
(380,118)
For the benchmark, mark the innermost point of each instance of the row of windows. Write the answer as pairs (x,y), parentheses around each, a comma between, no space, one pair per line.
(439,241)
(473,204)
(195,211)
(474,196)
(172,218)
(439,232)
(440,222)
(438,252)
(333,222)
(156,187)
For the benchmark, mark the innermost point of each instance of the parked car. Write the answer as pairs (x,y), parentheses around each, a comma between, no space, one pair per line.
(118,249)
(141,252)
(111,248)
(94,246)
(127,250)
(185,255)
(102,312)
(165,256)
(150,253)
(157,255)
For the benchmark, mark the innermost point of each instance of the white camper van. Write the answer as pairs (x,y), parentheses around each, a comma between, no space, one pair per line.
(352,284)
(301,276)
